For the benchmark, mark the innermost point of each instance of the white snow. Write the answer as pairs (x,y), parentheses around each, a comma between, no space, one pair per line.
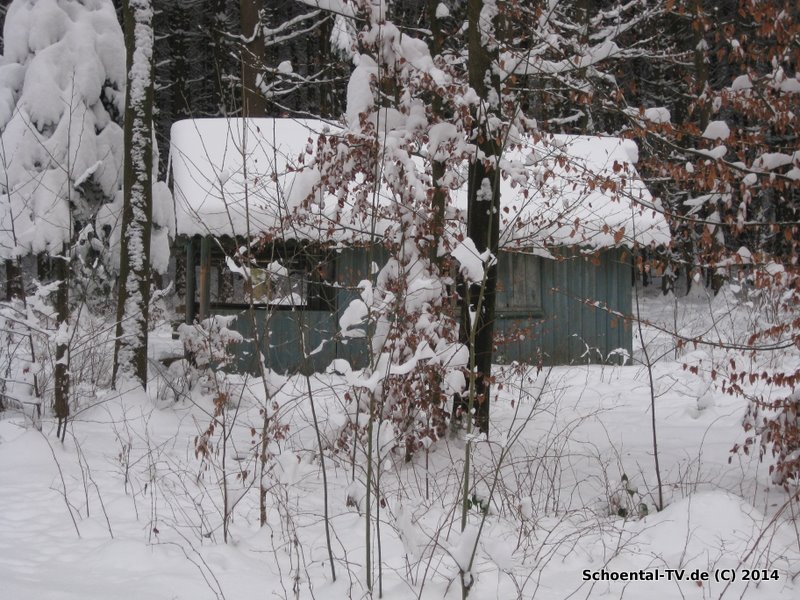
(659,114)
(740,83)
(134,502)
(354,319)
(573,190)
(470,260)
(717,130)
(790,85)
(127,508)
(261,157)
(163,231)
(56,133)
(772,160)
(532,64)
(632,150)
(716,153)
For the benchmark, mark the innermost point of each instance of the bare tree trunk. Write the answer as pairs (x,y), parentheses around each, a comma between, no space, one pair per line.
(14,287)
(483,210)
(437,167)
(130,349)
(61,403)
(699,59)
(252,58)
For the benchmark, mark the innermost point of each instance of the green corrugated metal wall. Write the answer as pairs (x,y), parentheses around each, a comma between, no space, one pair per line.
(544,308)
(352,266)
(570,323)
(279,332)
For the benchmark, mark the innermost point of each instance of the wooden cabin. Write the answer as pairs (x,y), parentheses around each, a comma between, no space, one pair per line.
(565,269)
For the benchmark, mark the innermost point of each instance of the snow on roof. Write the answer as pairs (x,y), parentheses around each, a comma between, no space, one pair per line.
(234,176)
(579,190)
(231,176)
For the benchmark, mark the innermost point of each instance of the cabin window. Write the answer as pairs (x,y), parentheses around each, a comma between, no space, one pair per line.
(519,290)
(279,285)
(285,276)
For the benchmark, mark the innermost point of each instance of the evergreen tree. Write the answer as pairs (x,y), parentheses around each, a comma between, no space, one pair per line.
(61,78)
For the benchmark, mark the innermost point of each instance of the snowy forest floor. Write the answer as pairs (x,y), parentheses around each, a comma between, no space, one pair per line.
(127,508)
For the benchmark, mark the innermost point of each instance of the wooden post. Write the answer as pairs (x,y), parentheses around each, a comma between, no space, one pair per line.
(253,102)
(180,275)
(191,287)
(225,284)
(205,277)
(14,287)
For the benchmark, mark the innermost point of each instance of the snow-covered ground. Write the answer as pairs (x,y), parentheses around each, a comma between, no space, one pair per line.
(127,507)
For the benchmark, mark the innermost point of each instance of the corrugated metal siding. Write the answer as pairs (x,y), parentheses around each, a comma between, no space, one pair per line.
(565,325)
(279,331)
(544,306)
(352,266)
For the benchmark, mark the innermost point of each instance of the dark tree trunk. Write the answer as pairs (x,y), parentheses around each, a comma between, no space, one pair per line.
(61,401)
(437,167)
(14,287)
(253,102)
(43,270)
(483,213)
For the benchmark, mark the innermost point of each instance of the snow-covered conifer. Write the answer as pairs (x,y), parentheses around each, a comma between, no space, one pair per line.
(61,78)
(61,81)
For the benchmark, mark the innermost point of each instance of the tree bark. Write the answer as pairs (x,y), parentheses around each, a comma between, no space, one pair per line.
(437,167)
(61,400)
(483,209)
(253,101)
(130,349)
(14,286)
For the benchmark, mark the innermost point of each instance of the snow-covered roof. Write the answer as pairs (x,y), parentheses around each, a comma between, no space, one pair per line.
(246,177)
(232,176)
(578,190)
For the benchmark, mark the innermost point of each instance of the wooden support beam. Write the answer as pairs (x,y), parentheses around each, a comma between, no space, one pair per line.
(191,286)
(205,277)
